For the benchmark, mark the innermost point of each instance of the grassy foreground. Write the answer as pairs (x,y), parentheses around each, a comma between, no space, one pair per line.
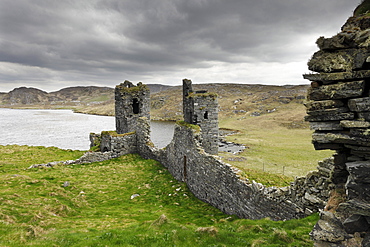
(128,201)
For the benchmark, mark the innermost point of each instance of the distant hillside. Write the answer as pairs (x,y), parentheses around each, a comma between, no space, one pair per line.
(90,99)
(166,101)
(234,99)
(267,120)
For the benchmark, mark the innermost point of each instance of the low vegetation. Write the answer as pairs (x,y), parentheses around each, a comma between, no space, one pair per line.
(127,201)
(278,144)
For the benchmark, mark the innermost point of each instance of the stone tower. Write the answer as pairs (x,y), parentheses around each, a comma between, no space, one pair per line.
(132,102)
(201,108)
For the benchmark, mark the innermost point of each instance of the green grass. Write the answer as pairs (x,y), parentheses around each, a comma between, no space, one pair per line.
(96,208)
(100,98)
(276,143)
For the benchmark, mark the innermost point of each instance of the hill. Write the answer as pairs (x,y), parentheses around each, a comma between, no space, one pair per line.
(90,100)
(234,99)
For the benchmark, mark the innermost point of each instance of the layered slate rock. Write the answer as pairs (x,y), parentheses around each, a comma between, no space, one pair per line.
(339,113)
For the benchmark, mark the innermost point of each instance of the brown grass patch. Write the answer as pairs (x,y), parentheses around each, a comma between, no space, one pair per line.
(336,197)
(208,230)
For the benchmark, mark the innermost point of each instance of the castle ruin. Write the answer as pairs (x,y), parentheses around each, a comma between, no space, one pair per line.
(191,158)
(338,109)
(201,108)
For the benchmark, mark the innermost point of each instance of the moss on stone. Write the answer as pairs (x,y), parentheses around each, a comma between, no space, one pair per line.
(140,87)
(363,8)
(97,142)
(95,148)
(150,144)
(205,95)
(187,125)
(113,133)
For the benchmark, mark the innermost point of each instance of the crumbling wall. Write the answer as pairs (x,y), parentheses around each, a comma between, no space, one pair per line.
(201,108)
(188,158)
(339,113)
(211,180)
(132,102)
(120,144)
(220,184)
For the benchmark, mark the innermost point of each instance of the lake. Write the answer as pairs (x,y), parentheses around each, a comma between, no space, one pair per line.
(64,129)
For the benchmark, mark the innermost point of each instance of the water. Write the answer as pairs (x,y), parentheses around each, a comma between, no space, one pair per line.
(64,129)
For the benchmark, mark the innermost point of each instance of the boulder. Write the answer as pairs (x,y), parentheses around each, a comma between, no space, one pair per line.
(333,116)
(328,78)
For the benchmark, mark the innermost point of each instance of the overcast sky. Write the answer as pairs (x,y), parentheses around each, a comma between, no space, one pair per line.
(52,44)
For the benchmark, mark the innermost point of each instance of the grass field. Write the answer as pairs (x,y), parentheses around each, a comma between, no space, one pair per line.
(95,205)
(278,143)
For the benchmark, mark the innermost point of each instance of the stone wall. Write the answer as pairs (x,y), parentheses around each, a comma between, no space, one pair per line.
(120,144)
(339,112)
(220,184)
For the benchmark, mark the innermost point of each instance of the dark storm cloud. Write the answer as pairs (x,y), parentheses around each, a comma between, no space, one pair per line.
(102,41)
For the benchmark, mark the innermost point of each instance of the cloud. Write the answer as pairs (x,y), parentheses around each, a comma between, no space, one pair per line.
(51,44)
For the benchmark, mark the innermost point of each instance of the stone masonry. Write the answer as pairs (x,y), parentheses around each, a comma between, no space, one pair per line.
(339,113)
(132,102)
(201,108)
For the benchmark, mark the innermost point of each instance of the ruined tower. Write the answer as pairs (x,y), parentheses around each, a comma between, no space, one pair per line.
(132,102)
(201,108)
(338,110)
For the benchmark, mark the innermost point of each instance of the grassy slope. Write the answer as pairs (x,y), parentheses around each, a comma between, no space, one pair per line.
(96,209)
(274,144)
